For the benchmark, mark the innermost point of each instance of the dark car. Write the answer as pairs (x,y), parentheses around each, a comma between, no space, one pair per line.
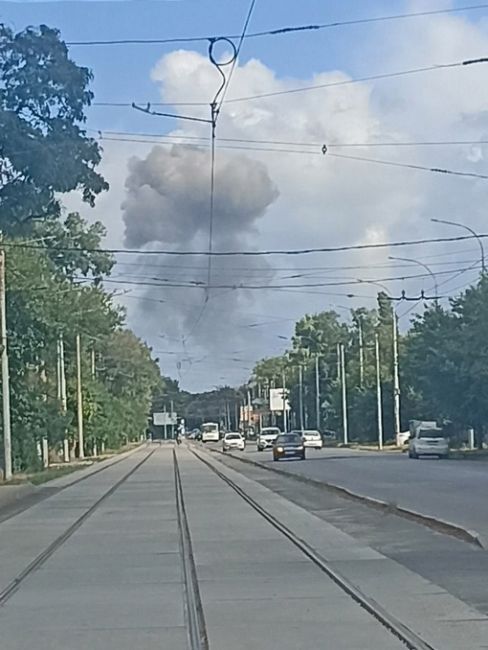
(288,445)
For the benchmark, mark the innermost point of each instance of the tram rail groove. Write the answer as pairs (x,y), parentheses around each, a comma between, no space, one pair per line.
(407,636)
(38,561)
(197,631)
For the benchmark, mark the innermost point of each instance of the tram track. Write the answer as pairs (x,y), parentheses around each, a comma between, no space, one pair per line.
(391,623)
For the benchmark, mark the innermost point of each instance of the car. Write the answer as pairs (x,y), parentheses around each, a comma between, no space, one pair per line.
(288,445)
(233,440)
(266,437)
(428,442)
(312,438)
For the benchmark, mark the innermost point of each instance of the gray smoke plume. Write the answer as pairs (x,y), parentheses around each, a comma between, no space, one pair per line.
(167,206)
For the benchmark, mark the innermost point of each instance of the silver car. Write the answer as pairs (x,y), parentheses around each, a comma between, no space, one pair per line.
(428,442)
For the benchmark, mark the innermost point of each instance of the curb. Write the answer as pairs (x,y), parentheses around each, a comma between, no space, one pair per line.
(435,523)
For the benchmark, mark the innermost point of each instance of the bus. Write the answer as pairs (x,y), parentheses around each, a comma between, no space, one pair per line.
(210,432)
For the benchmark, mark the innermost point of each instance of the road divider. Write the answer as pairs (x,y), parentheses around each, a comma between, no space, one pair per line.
(436,523)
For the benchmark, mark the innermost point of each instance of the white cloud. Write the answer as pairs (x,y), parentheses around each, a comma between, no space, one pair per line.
(326,201)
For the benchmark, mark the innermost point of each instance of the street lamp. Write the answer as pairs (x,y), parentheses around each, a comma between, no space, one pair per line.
(475,234)
(427,268)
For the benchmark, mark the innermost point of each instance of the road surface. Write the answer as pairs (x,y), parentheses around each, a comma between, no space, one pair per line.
(454,490)
(161,546)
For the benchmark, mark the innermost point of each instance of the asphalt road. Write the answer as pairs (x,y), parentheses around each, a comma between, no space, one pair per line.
(453,490)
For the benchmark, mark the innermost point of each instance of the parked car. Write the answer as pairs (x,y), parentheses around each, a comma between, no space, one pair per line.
(233,441)
(312,438)
(266,437)
(288,445)
(428,442)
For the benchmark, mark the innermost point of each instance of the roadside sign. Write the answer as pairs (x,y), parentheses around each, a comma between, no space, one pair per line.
(276,400)
(164,419)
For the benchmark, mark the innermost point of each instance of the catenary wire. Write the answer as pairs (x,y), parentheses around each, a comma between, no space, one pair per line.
(279,30)
(301,89)
(251,253)
(323,153)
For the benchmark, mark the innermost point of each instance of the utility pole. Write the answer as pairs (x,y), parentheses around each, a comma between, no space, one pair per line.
(62,394)
(378,391)
(396,378)
(165,426)
(300,394)
(93,363)
(249,407)
(317,393)
(338,362)
(283,379)
(361,353)
(79,399)
(172,407)
(7,434)
(344,393)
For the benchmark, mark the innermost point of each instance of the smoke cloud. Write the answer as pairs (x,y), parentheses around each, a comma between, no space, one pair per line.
(167,205)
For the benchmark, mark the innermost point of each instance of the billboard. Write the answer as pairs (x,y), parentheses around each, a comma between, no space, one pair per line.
(276,399)
(164,419)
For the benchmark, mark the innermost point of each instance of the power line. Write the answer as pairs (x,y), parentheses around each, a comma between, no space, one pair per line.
(401,73)
(249,253)
(324,151)
(330,145)
(277,31)
(301,89)
(392,163)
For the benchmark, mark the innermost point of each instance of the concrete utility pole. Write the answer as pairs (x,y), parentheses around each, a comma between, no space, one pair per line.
(165,426)
(7,434)
(62,393)
(396,378)
(361,354)
(285,425)
(344,393)
(93,363)
(378,391)
(300,394)
(79,399)
(317,393)
(172,407)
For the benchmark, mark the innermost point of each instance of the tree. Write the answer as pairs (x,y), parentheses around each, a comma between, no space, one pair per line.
(44,150)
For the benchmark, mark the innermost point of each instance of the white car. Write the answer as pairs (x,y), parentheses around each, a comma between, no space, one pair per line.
(312,438)
(233,441)
(428,442)
(266,437)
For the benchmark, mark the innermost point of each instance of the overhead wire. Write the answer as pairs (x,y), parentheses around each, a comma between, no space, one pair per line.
(278,31)
(323,153)
(302,89)
(252,253)
(330,145)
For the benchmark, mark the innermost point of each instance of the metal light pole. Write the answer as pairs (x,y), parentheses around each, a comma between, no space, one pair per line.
(378,391)
(424,266)
(317,393)
(474,233)
(396,378)
(343,393)
(7,434)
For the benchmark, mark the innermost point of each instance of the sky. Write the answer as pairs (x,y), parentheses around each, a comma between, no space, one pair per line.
(289,198)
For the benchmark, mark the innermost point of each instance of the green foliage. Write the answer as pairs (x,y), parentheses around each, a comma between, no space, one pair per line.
(44,149)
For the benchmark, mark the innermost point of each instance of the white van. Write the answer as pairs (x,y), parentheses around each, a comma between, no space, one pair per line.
(428,442)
